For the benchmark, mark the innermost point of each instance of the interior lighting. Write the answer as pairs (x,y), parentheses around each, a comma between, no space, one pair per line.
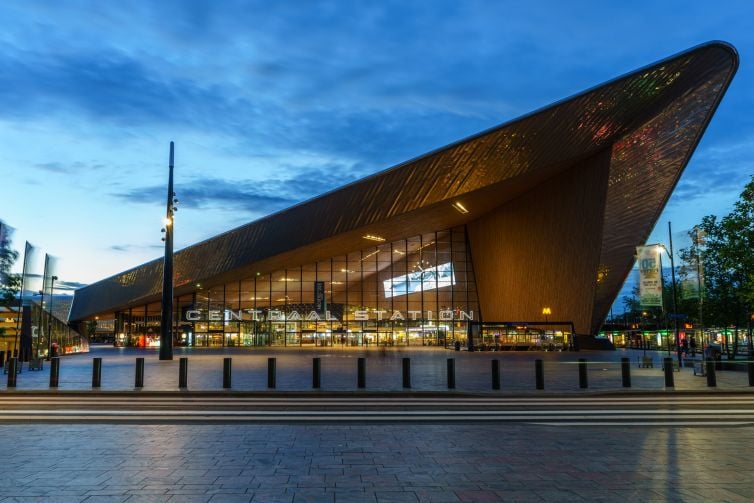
(372,237)
(372,254)
(349,271)
(461,208)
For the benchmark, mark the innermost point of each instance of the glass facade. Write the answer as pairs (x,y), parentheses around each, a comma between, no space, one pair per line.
(418,291)
(43,325)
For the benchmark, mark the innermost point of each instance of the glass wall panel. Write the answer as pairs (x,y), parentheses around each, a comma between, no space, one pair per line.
(414,291)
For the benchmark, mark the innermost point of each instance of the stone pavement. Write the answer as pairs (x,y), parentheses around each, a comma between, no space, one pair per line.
(428,368)
(373,463)
(388,462)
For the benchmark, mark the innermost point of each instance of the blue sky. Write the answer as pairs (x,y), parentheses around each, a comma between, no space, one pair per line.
(271,103)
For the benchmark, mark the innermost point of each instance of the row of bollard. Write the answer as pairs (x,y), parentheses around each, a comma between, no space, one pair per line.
(539,374)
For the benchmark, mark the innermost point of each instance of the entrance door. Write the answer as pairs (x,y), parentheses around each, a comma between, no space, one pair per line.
(215,338)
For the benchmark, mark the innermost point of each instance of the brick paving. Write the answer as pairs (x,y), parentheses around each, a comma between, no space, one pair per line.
(428,369)
(362,463)
(391,462)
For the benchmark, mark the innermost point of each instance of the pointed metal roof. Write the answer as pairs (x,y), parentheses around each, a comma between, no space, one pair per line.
(651,119)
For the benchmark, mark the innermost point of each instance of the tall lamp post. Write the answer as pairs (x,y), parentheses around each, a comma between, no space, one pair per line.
(166,320)
(49,317)
(699,239)
(41,319)
(674,297)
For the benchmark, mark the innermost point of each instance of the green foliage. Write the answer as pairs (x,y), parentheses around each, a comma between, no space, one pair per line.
(724,248)
(91,328)
(10,284)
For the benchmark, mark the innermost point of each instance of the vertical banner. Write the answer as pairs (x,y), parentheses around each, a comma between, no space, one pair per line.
(690,288)
(320,302)
(650,279)
(23,323)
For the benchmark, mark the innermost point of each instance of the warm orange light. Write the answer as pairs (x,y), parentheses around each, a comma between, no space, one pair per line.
(460,207)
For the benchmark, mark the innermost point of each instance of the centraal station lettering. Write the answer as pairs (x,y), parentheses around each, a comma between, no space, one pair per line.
(359,315)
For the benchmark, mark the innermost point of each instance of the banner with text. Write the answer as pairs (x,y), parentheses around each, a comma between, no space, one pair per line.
(650,279)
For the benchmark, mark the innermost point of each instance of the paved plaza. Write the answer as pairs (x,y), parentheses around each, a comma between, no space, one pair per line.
(383,370)
(390,461)
(363,463)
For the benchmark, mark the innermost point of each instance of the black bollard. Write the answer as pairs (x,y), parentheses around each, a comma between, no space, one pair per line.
(96,372)
(12,372)
(451,373)
(54,371)
(495,374)
(183,372)
(625,366)
(407,372)
(271,363)
(583,377)
(540,374)
(227,367)
(667,367)
(139,375)
(750,366)
(361,378)
(316,373)
(711,378)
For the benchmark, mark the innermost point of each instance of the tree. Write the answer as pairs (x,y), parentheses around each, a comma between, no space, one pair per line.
(91,328)
(10,283)
(728,265)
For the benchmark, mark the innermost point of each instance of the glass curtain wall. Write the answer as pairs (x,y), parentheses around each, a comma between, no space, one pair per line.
(44,324)
(418,291)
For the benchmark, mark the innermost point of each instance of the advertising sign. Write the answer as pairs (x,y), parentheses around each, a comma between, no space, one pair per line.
(320,303)
(421,280)
(650,279)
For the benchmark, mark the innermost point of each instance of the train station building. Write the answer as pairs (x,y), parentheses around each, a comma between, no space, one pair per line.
(524,232)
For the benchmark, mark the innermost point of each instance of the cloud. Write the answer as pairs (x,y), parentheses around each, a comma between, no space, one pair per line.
(381,99)
(68,285)
(252,196)
(722,168)
(67,168)
(130,247)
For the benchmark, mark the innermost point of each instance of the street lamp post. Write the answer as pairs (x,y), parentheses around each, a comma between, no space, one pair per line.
(49,317)
(699,236)
(642,328)
(41,319)
(166,320)
(674,297)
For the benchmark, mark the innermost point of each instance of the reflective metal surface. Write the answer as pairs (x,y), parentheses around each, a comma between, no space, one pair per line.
(652,119)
